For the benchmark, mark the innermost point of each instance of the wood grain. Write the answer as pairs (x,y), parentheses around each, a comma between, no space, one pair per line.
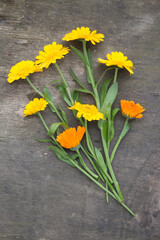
(42,198)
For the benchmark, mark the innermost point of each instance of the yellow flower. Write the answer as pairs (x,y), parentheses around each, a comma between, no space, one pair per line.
(35,106)
(131,110)
(89,112)
(118,59)
(51,53)
(22,70)
(84,33)
(71,137)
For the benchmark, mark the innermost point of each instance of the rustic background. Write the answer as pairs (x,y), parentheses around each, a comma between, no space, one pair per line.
(42,198)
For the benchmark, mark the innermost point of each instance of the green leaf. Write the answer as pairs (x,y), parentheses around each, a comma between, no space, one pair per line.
(44,140)
(76,96)
(53,128)
(48,97)
(100,123)
(111,133)
(100,160)
(64,95)
(58,131)
(63,114)
(125,130)
(84,91)
(76,78)
(114,112)
(89,53)
(64,84)
(107,111)
(89,144)
(105,129)
(61,155)
(110,97)
(103,90)
(80,55)
(74,156)
(55,82)
(64,125)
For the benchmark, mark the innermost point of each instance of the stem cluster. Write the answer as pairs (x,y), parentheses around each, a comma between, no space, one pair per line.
(103,174)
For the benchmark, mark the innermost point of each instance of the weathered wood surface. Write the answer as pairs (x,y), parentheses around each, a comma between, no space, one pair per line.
(42,198)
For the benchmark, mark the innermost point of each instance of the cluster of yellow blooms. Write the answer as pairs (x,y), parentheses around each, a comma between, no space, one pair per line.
(51,54)
(54,51)
(71,137)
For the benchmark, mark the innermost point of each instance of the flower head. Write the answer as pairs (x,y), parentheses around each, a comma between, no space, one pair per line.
(22,70)
(89,112)
(118,59)
(71,137)
(131,109)
(84,33)
(35,106)
(51,53)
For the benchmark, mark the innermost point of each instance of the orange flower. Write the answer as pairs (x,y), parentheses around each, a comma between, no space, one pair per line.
(131,109)
(71,137)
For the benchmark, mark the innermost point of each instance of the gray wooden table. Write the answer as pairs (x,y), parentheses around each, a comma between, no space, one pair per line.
(42,198)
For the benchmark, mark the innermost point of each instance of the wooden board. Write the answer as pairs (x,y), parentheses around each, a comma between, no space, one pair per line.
(42,198)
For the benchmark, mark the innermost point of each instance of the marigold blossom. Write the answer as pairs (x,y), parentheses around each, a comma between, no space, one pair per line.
(71,137)
(51,53)
(89,112)
(35,106)
(131,109)
(22,70)
(84,33)
(118,59)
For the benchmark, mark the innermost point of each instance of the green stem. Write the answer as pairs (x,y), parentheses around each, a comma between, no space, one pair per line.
(103,75)
(98,105)
(91,75)
(91,149)
(44,123)
(36,90)
(47,129)
(94,166)
(102,187)
(65,83)
(115,75)
(107,198)
(110,166)
(88,140)
(85,166)
(118,142)
(41,94)
(109,127)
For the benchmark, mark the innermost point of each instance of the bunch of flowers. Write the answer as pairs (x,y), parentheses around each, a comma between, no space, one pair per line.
(66,140)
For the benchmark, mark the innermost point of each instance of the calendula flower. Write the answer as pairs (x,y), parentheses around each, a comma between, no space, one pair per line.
(89,112)
(84,33)
(51,53)
(35,106)
(71,137)
(22,70)
(118,59)
(37,68)
(131,109)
